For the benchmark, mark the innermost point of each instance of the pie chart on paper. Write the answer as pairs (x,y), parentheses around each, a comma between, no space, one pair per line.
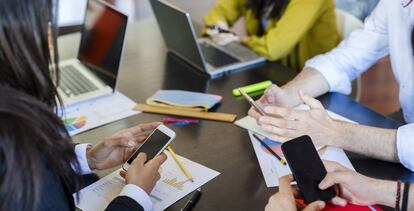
(72,124)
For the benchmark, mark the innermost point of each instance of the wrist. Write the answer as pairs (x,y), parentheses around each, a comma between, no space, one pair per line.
(337,134)
(89,158)
(386,192)
(222,24)
(290,94)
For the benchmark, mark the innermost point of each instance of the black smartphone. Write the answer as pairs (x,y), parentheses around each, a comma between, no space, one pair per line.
(307,168)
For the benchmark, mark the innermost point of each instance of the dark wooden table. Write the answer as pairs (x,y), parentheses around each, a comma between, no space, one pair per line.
(224,147)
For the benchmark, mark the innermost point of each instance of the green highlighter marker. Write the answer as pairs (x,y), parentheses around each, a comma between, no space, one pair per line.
(253,88)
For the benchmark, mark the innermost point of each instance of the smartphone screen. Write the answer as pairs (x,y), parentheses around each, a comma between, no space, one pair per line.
(152,145)
(307,168)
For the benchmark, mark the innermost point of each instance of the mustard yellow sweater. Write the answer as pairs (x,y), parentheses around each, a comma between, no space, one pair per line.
(307,28)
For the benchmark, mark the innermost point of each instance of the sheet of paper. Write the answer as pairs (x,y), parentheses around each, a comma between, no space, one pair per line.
(96,112)
(272,170)
(172,186)
(249,123)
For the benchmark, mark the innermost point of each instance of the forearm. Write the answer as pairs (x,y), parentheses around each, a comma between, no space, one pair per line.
(369,141)
(310,81)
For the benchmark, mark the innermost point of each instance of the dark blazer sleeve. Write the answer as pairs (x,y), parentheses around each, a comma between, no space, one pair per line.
(124,203)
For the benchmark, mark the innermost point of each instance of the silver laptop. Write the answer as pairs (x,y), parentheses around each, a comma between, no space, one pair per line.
(180,38)
(95,71)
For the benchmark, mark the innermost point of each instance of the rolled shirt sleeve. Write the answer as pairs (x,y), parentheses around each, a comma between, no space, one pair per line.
(405,145)
(140,196)
(80,151)
(356,54)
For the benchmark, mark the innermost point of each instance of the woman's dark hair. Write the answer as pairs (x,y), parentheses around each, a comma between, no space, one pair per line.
(267,8)
(26,61)
(33,140)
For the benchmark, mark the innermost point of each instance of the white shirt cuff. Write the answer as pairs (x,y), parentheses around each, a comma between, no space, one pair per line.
(338,80)
(405,145)
(80,150)
(140,196)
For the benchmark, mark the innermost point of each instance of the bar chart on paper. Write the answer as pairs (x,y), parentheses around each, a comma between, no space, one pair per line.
(173,182)
(172,186)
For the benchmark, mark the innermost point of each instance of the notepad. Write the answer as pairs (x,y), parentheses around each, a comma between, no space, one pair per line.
(186,100)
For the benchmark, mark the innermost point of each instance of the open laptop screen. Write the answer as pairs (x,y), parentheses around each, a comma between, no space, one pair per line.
(102,41)
(177,31)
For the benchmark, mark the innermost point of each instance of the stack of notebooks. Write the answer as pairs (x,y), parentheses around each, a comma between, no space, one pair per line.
(184,100)
(186,104)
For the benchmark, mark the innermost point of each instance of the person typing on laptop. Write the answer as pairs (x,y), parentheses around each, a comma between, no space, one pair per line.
(291,31)
(200,52)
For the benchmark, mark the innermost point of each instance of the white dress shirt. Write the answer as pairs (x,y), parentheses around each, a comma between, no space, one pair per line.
(132,191)
(387,31)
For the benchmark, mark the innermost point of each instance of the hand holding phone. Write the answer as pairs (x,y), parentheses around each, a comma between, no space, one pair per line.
(307,168)
(154,145)
(144,175)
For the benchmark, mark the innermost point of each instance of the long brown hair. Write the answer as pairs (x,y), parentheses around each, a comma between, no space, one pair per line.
(33,141)
(26,61)
(259,8)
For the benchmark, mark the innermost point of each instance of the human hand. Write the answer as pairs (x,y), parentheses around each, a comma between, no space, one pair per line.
(273,96)
(355,188)
(116,149)
(144,175)
(220,37)
(285,199)
(284,124)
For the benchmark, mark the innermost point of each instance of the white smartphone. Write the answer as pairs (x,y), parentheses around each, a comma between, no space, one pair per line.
(154,145)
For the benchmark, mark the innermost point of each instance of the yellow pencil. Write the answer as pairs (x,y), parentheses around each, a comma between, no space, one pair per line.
(180,164)
(322,149)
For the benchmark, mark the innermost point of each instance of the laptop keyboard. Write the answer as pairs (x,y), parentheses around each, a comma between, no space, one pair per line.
(73,83)
(216,57)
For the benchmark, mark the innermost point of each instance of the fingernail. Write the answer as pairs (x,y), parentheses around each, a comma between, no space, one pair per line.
(321,204)
(131,144)
(321,185)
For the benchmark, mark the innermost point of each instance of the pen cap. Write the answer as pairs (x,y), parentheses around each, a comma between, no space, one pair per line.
(252,88)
